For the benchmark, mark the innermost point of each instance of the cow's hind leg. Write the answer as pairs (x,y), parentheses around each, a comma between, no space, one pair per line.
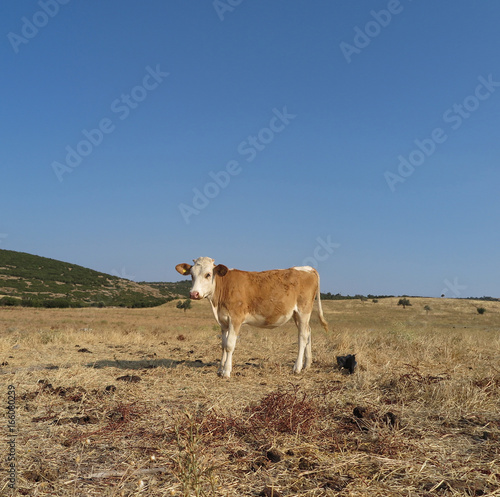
(308,357)
(305,350)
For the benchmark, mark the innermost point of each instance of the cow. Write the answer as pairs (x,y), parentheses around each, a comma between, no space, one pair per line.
(266,299)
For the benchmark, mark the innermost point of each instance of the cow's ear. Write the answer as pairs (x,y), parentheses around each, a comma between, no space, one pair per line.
(184,269)
(221,270)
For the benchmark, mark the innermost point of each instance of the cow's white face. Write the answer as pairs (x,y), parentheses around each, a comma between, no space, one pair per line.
(203,275)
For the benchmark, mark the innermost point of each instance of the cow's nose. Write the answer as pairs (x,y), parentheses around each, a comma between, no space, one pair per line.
(195,295)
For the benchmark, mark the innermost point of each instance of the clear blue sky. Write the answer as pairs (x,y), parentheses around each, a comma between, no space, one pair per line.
(360,137)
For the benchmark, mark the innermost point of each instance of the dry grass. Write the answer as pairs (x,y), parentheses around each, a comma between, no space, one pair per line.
(421,415)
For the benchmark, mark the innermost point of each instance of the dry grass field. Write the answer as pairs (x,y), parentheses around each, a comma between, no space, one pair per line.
(419,417)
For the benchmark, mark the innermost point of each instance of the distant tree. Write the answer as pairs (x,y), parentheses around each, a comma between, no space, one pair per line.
(427,308)
(404,302)
(375,301)
(481,310)
(184,305)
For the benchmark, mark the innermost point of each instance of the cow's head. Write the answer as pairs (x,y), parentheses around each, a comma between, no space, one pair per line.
(203,275)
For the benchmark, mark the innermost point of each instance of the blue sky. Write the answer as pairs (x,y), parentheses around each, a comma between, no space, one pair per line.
(359,137)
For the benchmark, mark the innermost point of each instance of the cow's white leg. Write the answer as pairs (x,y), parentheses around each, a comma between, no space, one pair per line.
(224,353)
(308,358)
(302,322)
(230,344)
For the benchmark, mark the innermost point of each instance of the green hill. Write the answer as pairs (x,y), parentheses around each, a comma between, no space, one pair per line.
(35,281)
(179,288)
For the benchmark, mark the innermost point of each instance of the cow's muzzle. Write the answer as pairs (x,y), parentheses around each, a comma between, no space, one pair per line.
(195,295)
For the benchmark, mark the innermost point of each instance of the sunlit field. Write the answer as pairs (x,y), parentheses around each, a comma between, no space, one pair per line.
(127,402)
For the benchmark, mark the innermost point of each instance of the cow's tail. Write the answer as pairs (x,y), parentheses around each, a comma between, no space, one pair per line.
(320,308)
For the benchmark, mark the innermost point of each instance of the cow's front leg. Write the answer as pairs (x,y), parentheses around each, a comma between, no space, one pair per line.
(228,345)
(224,353)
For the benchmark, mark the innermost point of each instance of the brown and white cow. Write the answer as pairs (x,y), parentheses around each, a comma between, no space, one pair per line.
(265,299)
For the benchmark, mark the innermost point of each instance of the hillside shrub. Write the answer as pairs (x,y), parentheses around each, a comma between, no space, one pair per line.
(9,302)
(57,303)
(184,305)
(31,302)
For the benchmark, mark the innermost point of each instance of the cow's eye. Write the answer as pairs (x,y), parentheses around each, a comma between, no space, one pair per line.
(208,275)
